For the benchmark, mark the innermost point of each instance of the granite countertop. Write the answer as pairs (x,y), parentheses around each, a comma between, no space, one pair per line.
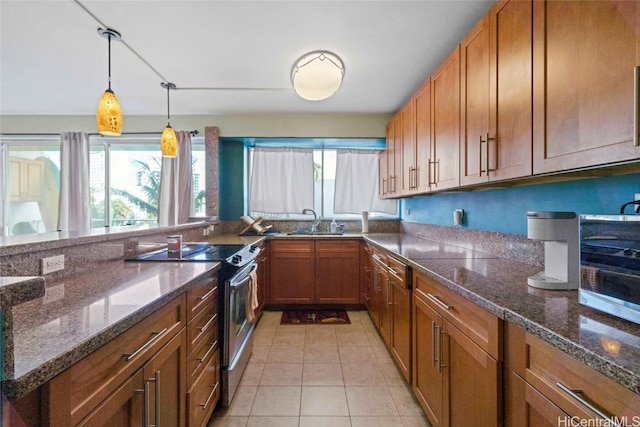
(16,290)
(606,343)
(81,312)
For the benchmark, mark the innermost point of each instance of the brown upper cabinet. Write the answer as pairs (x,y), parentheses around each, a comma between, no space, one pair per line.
(445,124)
(496,88)
(536,87)
(585,53)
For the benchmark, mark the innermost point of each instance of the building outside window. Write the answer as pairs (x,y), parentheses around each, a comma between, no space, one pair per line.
(125,168)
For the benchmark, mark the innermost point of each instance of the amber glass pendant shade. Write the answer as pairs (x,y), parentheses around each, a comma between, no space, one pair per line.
(109,114)
(169,142)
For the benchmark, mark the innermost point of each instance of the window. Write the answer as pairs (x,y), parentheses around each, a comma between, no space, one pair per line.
(324,175)
(126,168)
(31,181)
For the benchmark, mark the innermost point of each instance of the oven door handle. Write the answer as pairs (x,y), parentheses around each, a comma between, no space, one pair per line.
(241,278)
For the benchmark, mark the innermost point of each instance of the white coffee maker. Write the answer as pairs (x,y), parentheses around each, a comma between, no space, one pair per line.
(560,233)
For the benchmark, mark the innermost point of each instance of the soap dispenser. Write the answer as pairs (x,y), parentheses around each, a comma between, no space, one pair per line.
(333,227)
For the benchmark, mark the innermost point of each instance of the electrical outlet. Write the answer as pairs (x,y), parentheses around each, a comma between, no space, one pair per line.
(637,196)
(51,264)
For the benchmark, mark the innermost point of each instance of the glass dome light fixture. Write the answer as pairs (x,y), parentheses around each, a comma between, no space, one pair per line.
(317,75)
(169,140)
(109,113)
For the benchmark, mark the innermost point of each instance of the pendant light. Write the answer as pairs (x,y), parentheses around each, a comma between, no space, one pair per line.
(109,114)
(169,140)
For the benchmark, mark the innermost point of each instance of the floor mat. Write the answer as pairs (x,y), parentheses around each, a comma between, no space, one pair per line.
(311,317)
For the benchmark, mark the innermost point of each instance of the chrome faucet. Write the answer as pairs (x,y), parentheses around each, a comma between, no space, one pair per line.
(316,221)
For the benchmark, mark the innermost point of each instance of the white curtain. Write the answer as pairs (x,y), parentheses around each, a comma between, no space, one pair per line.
(281,180)
(74,207)
(185,177)
(175,198)
(357,184)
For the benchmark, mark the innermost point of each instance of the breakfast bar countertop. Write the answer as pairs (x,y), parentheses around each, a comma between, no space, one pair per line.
(605,343)
(81,312)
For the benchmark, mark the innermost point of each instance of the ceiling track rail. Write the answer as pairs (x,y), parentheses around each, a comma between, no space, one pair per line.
(163,78)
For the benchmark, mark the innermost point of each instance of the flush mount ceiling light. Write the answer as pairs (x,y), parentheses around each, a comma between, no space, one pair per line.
(109,113)
(169,140)
(317,75)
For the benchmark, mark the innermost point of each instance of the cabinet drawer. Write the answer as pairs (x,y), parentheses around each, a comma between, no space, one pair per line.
(482,327)
(379,258)
(204,394)
(337,245)
(197,329)
(202,294)
(399,271)
(552,372)
(295,246)
(202,353)
(91,380)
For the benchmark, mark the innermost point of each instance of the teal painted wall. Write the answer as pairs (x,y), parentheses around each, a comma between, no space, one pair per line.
(231,175)
(504,210)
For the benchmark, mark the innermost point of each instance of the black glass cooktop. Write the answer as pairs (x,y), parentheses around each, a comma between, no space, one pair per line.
(191,252)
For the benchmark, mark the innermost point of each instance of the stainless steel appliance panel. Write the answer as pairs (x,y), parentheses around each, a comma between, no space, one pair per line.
(610,264)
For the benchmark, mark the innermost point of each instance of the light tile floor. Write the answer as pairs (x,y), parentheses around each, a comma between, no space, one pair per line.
(320,375)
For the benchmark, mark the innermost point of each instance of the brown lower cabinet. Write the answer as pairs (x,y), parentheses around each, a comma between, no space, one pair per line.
(546,387)
(390,307)
(164,370)
(455,378)
(314,271)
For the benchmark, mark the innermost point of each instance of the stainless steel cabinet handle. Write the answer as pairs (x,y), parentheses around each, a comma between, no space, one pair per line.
(206,403)
(209,322)
(205,296)
(389,292)
(441,334)
(438,349)
(156,336)
(574,394)
(636,106)
(156,378)
(438,302)
(480,169)
(146,405)
(211,347)
(433,343)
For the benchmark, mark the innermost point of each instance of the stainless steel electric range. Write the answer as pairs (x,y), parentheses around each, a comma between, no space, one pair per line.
(236,330)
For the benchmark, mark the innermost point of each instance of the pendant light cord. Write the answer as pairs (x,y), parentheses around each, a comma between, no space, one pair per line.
(168,112)
(109,38)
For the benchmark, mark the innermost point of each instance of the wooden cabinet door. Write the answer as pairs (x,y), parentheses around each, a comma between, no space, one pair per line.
(471,382)
(510,134)
(423,138)
(263,276)
(445,126)
(292,275)
(475,88)
(25,179)
(366,276)
(401,326)
(383,174)
(427,378)
(337,272)
(584,56)
(123,408)
(408,157)
(166,374)
(382,302)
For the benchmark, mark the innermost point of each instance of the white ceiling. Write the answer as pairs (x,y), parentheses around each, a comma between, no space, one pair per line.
(53,62)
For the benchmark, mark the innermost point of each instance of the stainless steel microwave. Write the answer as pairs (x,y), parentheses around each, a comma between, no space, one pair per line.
(610,264)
